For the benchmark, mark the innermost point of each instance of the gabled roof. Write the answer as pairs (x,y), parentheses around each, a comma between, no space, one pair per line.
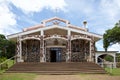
(53,20)
(51,27)
(33,27)
(56,18)
(42,26)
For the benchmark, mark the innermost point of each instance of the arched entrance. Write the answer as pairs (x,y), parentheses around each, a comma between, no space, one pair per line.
(100,55)
(105,57)
(80,50)
(31,50)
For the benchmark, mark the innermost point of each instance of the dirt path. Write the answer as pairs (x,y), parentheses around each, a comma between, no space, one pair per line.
(77,77)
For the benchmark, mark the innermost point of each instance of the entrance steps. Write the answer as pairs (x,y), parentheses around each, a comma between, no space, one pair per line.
(56,68)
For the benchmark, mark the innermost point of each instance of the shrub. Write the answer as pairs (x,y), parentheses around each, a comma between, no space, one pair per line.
(108,58)
(2,59)
(118,64)
(3,66)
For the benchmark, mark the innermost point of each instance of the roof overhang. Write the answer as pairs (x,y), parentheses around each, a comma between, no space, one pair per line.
(106,51)
(96,36)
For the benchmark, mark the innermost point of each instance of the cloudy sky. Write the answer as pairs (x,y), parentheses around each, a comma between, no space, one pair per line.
(100,14)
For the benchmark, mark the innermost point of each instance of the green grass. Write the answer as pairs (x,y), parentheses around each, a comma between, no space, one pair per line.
(17,76)
(10,63)
(1,71)
(114,71)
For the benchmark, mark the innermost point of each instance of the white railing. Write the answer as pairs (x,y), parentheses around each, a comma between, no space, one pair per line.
(106,64)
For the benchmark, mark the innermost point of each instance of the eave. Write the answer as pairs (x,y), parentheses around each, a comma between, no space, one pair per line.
(52,27)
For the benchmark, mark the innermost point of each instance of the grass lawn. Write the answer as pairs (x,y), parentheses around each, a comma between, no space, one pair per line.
(1,71)
(9,63)
(17,76)
(114,71)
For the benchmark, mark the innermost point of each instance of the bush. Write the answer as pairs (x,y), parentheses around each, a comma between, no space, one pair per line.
(2,59)
(7,47)
(108,58)
(4,66)
(118,65)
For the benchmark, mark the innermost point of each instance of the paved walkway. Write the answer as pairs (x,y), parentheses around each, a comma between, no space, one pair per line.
(77,77)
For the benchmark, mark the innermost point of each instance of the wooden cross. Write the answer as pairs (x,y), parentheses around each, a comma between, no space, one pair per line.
(56,11)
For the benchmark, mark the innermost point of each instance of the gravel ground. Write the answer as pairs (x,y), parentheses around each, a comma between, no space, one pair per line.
(77,77)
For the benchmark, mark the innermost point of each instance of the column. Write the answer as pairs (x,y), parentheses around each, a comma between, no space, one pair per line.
(85,50)
(21,60)
(114,61)
(68,55)
(90,55)
(26,51)
(45,51)
(19,50)
(96,58)
(42,55)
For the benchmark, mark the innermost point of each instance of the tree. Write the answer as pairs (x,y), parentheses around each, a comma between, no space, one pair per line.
(108,58)
(3,42)
(118,57)
(111,36)
(7,47)
(2,37)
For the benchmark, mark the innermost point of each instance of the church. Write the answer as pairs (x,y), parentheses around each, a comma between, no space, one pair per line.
(55,40)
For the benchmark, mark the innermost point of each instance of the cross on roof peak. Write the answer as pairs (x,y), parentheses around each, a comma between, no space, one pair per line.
(56,11)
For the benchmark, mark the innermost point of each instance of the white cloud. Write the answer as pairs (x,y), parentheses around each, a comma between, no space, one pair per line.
(80,6)
(8,21)
(7,18)
(111,8)
(28,6)
(115,47)
(99,45)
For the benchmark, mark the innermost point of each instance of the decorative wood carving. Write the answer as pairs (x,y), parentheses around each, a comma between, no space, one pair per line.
(34,48)
(56,42)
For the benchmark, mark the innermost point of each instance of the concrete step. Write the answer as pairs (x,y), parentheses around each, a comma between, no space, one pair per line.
(56,68)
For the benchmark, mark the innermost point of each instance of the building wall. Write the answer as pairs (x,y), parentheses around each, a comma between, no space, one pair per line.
(31,50)
(79,51)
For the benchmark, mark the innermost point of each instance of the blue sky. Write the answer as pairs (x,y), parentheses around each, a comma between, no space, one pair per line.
(100,14)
